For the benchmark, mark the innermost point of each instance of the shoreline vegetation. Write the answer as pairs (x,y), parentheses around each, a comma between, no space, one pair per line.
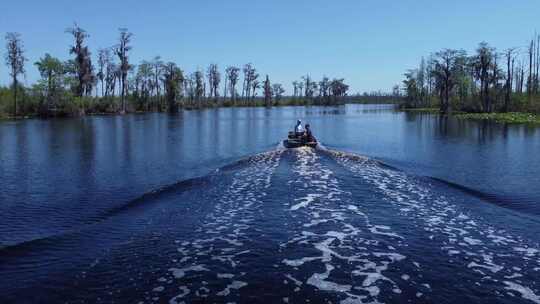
(111,84)
(499,117)
(487,85)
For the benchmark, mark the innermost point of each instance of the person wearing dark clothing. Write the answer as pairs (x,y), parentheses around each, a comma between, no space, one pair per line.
(308,136)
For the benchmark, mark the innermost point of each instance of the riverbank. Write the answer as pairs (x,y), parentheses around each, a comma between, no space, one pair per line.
(509,117)
(90,107)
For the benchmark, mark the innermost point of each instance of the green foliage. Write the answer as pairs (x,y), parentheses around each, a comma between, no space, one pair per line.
(510,117)
(456,82)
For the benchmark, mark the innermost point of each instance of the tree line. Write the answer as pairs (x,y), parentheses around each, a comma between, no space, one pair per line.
(113,84)
(486,81)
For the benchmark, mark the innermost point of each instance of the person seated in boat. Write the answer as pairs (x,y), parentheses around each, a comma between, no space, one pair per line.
(308,136)
(299,130)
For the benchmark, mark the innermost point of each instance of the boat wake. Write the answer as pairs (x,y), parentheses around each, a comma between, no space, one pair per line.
(224,235)
(484,254)
(353,254)
(287,226)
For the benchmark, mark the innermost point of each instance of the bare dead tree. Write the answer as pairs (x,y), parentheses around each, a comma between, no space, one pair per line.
(225,86)
(198,78)
(445,74)
(83,60)
(255,84)
(214,78)
(15,61)
(267,92)
(104,60)
(295,88)
(277,91)
(530,79)
(509,77)
(233,74)
(157,71)
(122,50)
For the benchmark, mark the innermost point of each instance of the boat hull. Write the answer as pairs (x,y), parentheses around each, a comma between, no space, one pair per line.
(291,143)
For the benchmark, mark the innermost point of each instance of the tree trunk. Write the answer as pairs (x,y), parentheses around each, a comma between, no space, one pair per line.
(530,80)
(15,95)
(508,82)
(123,85)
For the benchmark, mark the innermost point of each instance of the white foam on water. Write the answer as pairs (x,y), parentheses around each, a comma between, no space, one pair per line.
(181,272)
(223,234)
(316,222)
(339,245)
(529,252)
(490,267)
(305,201)
(382,230)
(457,232)
(233,285)
(176,299)
(472,241)
(525,292)
(319,280)
(297,282)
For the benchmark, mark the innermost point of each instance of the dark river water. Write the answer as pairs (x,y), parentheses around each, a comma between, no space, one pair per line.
(208,207)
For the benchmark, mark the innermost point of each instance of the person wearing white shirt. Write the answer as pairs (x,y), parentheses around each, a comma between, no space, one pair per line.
(299,130)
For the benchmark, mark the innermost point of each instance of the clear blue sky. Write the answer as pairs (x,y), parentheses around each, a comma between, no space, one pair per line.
(370,43)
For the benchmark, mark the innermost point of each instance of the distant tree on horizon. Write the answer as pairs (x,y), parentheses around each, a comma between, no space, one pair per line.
(157,71)
(232,73)
(173,80)
(214,79)
(83,61)
(278,91)
(15,61)
(267,92)
(122,50)
(51,70)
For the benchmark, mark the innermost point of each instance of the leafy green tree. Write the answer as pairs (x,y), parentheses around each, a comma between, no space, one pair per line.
(445,74)
(173,79)
(412,92)
(51,70)
(144,80)
(485,71)
(338,87)
(324,88)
